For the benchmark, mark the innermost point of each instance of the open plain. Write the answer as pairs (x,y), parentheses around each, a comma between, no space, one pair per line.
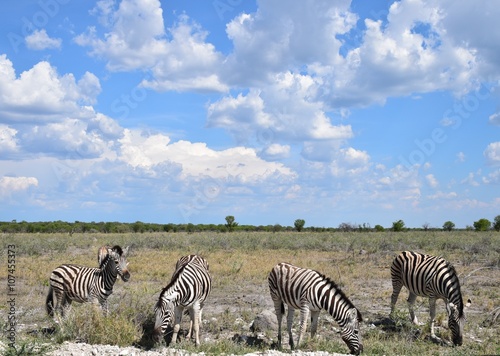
(359,262)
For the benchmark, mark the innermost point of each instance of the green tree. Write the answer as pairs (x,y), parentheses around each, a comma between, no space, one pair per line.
(379,228)
(482,225)
(398,225)
(448,226)
(230,223)
(496,223)
(299,224)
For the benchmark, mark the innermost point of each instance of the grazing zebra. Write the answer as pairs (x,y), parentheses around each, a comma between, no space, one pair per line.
(433,277)
(87,284)
(188,289)
(309,290)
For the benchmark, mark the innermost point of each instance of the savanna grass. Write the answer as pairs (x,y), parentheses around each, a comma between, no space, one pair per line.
(239,263)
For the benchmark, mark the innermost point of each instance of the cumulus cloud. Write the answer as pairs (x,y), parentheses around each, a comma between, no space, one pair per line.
(275,151)
(285,107)
(494,119)
(39,40)
(197,160)
(492,153)
(41,94)
(9,185)
(431,180)
(179,59)
(8,140)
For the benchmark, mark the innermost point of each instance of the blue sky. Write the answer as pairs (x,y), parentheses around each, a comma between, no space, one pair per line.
(271,111)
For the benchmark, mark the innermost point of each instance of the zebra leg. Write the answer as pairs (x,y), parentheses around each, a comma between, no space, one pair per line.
(314,322)
(279,308)
(191,319)
(196,323)
(304,315)
(177,323)
(411,303)
(432,311)
(289,322)
(396,289)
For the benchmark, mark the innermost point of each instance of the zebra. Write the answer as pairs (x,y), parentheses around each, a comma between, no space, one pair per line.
(311,291)
(70,283)
(188,289)
(433,277)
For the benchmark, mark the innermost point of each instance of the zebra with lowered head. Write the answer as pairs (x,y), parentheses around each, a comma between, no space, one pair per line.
(311,291)
(70,282)
(432,277)
(188,289)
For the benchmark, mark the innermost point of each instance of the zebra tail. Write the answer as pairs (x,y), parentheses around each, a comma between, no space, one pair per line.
(282,308)
(49,302)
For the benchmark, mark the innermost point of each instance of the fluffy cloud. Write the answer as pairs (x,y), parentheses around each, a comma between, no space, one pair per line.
(197,160)
(39,40)
(9,185)
(179,60)
(284,107)
(40,94)
(431,180)
(492,153)
(8,140)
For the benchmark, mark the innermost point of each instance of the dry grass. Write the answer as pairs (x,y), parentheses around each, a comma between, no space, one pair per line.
(239,264)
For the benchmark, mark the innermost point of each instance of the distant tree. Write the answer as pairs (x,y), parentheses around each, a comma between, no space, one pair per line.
(277,227)
(379,228)
(426,226)
(230,223)
(398,225)
(448,226)
(299,224)
(346,227)
(482,225)
(496,223)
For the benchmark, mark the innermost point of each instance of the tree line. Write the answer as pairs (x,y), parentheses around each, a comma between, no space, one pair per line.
(230,226)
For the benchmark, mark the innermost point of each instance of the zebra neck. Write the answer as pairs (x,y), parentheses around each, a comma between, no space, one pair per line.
(336,304)
(108,273)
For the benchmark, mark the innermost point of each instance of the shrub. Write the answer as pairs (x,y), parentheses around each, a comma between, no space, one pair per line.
(482,225)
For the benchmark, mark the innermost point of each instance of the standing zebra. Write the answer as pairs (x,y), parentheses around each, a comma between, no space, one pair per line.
(433,277)
(309,290)
(189,287)
(87,284)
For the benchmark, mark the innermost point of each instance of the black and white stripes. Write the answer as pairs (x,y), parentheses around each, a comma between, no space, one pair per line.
(87,284)
(310,291)
(189,287)
(433,277)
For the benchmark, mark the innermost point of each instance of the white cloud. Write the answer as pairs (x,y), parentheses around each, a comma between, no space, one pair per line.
(40,94)
(39,40)
(8,140)
(285,107)
(198,160)
(492,178)
(179,60)
(492,153)
(136,39)
(442,195)
(431,180)
(494,119)
(275,151)
(461,157)
(9,185)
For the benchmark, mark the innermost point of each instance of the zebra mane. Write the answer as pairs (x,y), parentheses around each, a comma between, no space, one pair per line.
(104,261)
(340,292)
(117,249)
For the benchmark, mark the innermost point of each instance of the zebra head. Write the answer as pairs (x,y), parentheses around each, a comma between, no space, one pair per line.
(164,313)
(456,321)
(120,258)
(350,332)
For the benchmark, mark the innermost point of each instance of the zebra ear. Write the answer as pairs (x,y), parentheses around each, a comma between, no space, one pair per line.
(125,252)
(468,304)
(353,314)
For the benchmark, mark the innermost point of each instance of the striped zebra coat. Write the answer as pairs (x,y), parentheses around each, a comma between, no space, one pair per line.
(188,289)
(310,292)
(432,277)
(70,283)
